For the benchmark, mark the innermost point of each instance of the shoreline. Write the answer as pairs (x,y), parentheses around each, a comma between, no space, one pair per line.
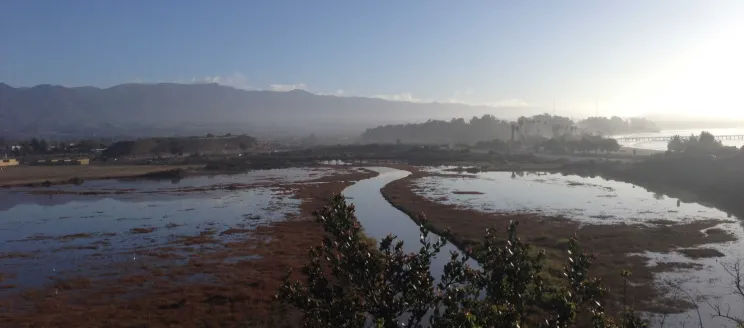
(617,246)
(41,176)
(166,295)
(640,151)
(48,176)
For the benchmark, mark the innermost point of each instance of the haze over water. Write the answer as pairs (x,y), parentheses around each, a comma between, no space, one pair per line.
(662,145)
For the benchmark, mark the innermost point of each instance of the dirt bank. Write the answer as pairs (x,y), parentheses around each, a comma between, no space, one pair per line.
(194,281)
(51,175)
(613,244)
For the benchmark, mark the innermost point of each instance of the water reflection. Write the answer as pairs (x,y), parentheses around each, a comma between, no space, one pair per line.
(591,200)
(595,200)
(133,189)
(68,234)
(379,218)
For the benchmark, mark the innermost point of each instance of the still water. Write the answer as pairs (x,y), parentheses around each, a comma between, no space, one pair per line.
(604,202)
(379,218)
(43,236)
(662,145)
(588,200)
(48,236)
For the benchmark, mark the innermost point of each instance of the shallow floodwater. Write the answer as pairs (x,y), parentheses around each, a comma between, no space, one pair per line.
(589,200)
(288,175)
(48,236)
(599,201)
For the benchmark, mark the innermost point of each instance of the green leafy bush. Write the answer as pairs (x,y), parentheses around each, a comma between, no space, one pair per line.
(348,284)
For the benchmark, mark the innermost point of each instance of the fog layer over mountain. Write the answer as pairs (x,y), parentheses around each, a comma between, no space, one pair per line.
(181,109)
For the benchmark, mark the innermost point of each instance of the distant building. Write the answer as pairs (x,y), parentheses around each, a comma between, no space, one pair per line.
(8,162)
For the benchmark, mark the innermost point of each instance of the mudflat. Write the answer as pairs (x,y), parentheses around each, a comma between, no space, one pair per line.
(22,175)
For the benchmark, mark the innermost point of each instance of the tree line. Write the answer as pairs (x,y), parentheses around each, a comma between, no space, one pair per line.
(488,128)
(40,146)
(584,144)
(617,125)
(703,144)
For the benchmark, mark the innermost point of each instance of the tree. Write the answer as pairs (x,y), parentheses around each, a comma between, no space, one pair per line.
(735,270)
(34,145)
(585,144)
(557,130)
(43,147)
(555,146)
(705,143)
(676,144)
(708,142)
(349,284)
(609,145)
(615,125)
(62,147)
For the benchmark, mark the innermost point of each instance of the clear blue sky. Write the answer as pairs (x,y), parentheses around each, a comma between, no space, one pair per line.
(578,53)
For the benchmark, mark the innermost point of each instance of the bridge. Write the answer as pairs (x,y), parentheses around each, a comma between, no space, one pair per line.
(667,138)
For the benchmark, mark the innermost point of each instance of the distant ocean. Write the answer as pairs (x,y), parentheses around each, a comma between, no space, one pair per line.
(662,145)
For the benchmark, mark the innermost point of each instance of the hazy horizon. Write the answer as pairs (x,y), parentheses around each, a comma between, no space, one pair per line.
(677,59)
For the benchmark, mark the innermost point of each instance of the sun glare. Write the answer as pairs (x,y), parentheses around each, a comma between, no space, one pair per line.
(704,81)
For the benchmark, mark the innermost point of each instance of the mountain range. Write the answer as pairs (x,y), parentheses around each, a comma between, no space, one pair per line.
(138,110)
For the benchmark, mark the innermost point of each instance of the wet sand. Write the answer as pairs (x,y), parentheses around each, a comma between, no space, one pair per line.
(192,281)
(615,245)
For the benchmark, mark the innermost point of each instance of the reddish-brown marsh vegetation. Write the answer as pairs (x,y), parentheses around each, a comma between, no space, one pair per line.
(617,246)
(193,281)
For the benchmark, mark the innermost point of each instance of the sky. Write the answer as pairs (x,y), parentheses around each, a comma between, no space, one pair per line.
(627,58)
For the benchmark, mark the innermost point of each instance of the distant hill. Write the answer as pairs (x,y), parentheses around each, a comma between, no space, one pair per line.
(183,109)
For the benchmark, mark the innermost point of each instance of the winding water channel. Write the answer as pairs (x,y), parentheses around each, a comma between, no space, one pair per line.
(585,200)
(379,218)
